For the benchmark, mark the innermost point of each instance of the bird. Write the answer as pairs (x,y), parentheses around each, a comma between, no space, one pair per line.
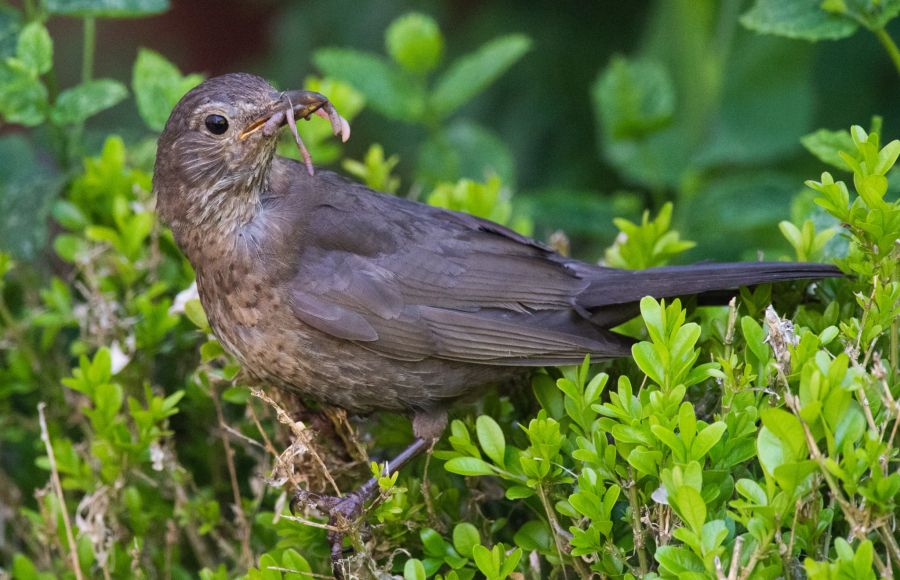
(372,302)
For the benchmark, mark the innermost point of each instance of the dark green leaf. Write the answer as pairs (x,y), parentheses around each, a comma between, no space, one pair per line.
(387,89)
(106,8)
(472,73)
(633,98)
(797,19)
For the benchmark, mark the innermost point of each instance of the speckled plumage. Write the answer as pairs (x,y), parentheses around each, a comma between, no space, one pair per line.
(369,301)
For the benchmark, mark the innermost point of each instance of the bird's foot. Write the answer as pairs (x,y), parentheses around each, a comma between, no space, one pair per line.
(344,516)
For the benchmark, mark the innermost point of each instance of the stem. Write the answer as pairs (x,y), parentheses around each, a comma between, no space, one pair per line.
(242,524)
(87,55)
(57,488)
(636,524)
(889,45)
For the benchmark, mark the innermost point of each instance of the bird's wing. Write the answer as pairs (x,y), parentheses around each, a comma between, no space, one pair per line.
(411,282)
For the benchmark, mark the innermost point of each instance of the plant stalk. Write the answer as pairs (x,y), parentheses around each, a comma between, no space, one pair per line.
(889,45)
(88,48)
(636,524)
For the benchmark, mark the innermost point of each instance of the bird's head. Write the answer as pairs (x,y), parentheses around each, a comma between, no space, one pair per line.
(215,153)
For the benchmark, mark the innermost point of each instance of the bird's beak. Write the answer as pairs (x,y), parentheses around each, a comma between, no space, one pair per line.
(298,104)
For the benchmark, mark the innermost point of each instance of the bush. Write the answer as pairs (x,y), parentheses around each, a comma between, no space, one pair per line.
(754,440)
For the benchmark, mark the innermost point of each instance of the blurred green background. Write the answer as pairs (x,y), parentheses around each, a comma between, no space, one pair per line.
(616,106)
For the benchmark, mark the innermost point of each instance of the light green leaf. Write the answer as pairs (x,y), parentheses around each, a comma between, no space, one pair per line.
(468,466)
(157,86)
(415,42)
(106,8)
(790,475)
(386,89)
(707,439)
(23,97)
(413,570)
(752,491)
(194,311)
(295,562)
(803,19)
(465,537)
(472,73)
(491,439)
(677,560)
(787,428)
(85,100)
(35,48)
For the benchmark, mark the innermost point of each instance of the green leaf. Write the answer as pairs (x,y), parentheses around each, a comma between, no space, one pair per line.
(706,440)
(826,145)
(633,98)
(27,192)
(787,428)
(35,48)
(23,97)
(10,25)
(491,439)
(791,475)
(465,150)
(518,492)
(386,89)
(691,508)
(469,466)
(75,105)
(157,86)
(803,19)
(415,42)
(534,535)
(194,311)
(647,357)
(106,8)
(752,491)
(472,73)
(465,537)
(678,559)
(294,561)
(413,570)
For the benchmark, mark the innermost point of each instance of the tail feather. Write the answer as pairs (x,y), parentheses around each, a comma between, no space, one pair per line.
(611,287)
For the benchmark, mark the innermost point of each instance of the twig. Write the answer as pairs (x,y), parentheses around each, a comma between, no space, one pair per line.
(306,574)
(57,488)
(285,419)
(636,522)
(735,558)
(246,553)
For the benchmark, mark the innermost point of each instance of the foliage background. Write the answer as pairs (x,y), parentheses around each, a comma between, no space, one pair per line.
(587,113)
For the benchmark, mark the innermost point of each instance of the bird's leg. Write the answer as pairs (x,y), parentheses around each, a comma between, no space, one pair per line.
(342,511)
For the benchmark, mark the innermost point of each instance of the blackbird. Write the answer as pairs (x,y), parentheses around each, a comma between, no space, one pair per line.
(372,302)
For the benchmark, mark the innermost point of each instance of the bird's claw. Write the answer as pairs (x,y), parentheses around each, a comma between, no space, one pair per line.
(344,514)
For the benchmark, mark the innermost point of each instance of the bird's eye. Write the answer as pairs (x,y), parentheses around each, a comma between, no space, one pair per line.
(216,124)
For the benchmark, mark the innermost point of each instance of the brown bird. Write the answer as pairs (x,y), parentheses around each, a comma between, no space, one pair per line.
(372,302)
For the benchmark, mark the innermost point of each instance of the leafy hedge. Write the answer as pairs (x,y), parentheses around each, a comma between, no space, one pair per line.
(756,440)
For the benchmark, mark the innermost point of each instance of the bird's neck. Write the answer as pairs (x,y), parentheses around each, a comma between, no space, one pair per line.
(211,225)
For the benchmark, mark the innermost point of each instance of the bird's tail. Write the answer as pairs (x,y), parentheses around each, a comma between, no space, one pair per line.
(612,287)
